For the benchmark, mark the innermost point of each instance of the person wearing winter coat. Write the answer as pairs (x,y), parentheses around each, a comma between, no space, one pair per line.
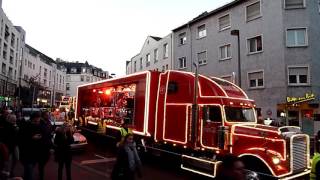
(128,163)
(30,137)
(63,156)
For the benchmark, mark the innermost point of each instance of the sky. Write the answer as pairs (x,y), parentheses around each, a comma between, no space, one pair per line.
(106,33)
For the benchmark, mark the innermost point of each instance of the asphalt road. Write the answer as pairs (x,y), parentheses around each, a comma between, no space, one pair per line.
(95,162)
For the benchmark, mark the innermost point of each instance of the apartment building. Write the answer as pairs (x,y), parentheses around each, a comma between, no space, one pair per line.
(80,73)
(49,77)
(155,54)
(12,40)
(279,52)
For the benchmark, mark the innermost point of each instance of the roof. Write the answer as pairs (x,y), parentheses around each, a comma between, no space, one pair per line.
(43,57)
(206,14)
(156,38)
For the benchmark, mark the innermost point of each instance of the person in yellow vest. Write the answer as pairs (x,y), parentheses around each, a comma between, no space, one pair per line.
(124,130)
(315,166)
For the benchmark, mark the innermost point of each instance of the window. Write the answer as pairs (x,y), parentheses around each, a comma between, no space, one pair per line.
(81,78)
(4,68)
(68,78)
(253,11)
(135,66)
(84,70)
(202,32)
(73,70)
(297,37)
(167,67)
(225,52)
(224,22)
(141,64)
(182,38)
(4,51)
(202,58)
(298,75)
(255,44)
(165,51)
(163,68)
(156,56)
(256,79)
(25,62)
(88,78)
(10,73)
(67,86)
(148,59)
(212,114)
(182,62)
(294,4)
(34,66)
(239,114)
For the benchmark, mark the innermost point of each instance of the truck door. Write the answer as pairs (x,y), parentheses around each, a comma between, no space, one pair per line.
(211,119)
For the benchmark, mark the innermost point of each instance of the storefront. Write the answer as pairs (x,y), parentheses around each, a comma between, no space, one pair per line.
(300,111)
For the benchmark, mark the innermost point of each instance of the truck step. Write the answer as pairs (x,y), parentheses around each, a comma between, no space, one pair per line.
(200,166)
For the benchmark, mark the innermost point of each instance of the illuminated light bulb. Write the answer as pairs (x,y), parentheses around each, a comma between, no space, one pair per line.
(202,149)
(231,103)
(108,92)
(94,90)
(165,142)
(174,145)
(185,147)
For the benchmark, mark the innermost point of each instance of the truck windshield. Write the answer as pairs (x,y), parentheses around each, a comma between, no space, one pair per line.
(64,103)
(240,114)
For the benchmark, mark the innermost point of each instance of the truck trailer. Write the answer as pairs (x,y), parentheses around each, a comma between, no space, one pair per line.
(199,118)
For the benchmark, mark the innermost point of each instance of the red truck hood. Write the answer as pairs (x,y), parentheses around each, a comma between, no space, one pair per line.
(256,130)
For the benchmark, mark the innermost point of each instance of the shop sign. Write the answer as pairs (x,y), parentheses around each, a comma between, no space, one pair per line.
(307,97)
(3,98)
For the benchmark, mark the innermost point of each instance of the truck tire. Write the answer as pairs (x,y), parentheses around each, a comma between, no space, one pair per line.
(257,166)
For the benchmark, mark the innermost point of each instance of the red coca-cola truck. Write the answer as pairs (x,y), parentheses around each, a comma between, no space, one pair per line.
(201,123)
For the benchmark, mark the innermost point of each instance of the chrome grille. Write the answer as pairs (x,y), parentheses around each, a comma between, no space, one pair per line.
(299,153)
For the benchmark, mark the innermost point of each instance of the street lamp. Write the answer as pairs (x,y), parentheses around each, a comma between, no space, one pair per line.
(236,32)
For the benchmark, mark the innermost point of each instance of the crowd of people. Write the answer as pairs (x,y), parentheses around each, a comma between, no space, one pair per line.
(30,142)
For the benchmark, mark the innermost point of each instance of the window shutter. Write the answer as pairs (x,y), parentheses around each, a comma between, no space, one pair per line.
(224,22)
(298,70)
(294,3)
(253,11)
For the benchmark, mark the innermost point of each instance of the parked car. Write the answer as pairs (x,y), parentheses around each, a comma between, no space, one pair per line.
(26,112)
(80,141)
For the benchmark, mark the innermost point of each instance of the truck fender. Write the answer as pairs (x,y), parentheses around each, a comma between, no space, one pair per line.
(257,160)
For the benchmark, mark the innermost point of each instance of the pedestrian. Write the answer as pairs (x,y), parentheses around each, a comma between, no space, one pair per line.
(232,168)
(12,144)
(315,165)
(30,137)
(4,158)
(124,130)
(128,163)
(46,142)
(63,155)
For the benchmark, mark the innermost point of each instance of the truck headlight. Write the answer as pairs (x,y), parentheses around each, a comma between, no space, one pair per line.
(275,160)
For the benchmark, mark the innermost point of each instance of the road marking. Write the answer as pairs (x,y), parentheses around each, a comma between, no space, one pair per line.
(94,161)
(99,156)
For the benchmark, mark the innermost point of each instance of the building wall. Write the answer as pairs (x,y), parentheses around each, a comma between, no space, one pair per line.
(75,80)
(273,60)
(162,63)
(34,66)
(11,44)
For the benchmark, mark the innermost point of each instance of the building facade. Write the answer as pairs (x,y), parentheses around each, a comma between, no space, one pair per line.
(12,40)
(79,74)
(279,54)
(43,73)
(156,54)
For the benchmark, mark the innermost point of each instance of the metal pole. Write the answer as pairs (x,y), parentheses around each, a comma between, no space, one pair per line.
(195,107)
(33,94)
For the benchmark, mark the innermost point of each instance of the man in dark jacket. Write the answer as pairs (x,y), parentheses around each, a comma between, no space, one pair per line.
(46,142)
(30,144)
